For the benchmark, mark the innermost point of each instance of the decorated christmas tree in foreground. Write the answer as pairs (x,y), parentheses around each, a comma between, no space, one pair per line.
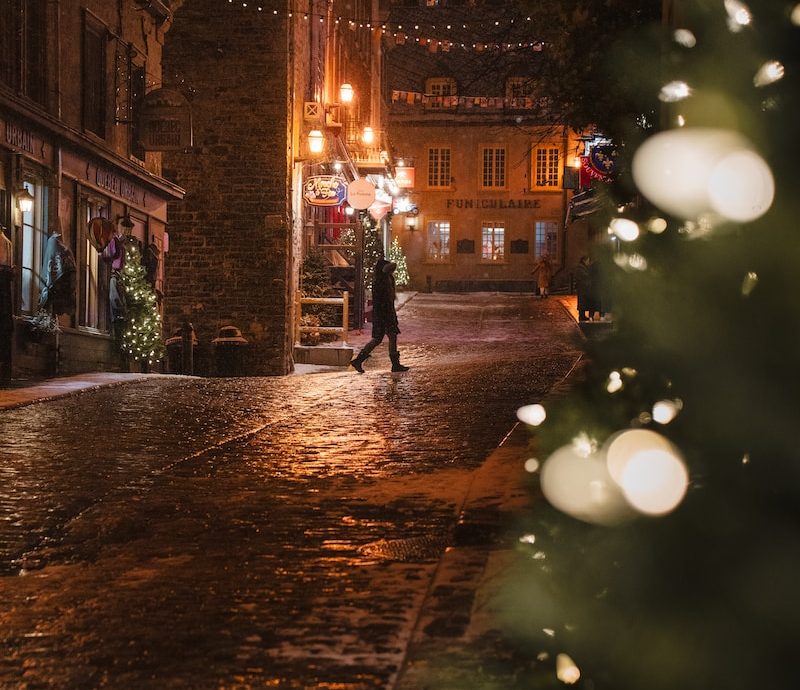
(140,332)
(667,553)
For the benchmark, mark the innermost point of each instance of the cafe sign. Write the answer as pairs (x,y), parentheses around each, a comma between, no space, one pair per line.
(165,121)
(325,190)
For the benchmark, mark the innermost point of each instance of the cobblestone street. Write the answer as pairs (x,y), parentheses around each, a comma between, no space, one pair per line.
(195,533)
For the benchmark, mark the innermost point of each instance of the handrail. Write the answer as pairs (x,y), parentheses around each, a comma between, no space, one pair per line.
(344,301)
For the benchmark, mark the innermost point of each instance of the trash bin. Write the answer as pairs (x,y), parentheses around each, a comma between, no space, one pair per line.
(229,347)
(175,358)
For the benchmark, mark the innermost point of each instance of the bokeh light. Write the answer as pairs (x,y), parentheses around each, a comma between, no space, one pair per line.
(741,187)
(685,38)
(674,91)
(649,470)
(567,670)
(769,73)
(622,446)
(532,415)
(624,228)
(532,465)
(655,481)
(695,172)
(657,225)
(749,283)
(614,382)
(664,411)
(581,486)
(739,14)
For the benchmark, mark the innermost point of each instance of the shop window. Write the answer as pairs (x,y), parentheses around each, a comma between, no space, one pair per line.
(439,167)
(494,167)
(32,247)
(546,164)
(94,77)
(438,240)
(546,232)
(23,47)
(94,271)
(493,241)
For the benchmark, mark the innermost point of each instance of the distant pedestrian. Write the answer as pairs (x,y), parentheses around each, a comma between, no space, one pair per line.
(597,297)
(384,317)
(543,270)
(583,287)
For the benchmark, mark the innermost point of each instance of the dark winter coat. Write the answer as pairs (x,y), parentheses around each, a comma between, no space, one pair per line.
(384,316)
(583,286)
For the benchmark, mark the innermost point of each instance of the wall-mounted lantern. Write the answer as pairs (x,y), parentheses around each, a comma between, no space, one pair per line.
(346,93)
(368,136)
(316,141)
(25,200)
(411,223)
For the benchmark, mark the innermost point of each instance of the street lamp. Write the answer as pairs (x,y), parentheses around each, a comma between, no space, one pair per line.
(25,200)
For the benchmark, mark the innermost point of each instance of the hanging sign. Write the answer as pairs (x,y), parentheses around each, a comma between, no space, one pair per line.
(325,190)
(600,164)
(165,121)
(360,193)
(404,177)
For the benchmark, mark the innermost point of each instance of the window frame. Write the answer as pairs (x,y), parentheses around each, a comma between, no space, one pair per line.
(548,244)
(94,84)
(94,272)
(24,43)
(433,227)
(519,87)
(493,226)
(494,170)
(32,240)
(543,154)
(441,86)
(440,178)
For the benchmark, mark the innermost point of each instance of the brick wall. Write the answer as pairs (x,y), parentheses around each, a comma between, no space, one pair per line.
(231,249)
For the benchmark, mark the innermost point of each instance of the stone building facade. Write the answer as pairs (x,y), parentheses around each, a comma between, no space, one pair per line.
(73,76)
(488,168)
(260,77)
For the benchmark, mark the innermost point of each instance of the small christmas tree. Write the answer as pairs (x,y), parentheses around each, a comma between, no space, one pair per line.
(401,277)
(140,332)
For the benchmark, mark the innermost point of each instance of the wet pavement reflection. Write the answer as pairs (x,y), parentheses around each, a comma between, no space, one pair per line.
(268,532)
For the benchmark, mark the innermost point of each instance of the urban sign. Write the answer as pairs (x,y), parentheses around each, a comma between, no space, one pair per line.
(165,121)
(325,190)
(360,193)
(405,177)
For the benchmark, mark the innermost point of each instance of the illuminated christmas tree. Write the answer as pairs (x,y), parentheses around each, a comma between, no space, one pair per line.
(140,332)
(667,551)
(401,277)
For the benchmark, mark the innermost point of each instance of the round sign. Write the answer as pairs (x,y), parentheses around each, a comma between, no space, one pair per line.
(360,193)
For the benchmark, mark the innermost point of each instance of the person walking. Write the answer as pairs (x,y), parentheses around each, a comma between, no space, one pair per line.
(583,287)
(543,270)
(384,317)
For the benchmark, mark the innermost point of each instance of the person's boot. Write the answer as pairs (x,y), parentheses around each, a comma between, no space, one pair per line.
(358,361)
(396,366)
